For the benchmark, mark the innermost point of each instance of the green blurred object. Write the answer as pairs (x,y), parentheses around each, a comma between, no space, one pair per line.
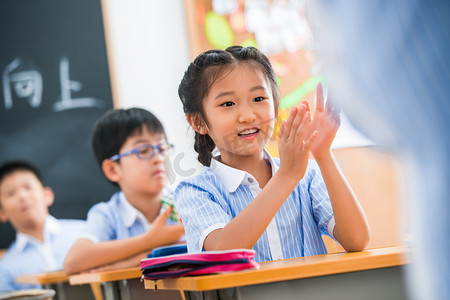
(279,81)
(218,32)
(299,93)
(249,42)
(169,201)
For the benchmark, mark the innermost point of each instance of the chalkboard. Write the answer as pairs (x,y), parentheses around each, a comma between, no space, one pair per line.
(55,85)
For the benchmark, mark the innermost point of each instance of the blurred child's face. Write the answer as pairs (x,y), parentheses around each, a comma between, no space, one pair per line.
(240,113)
(142,176)
(24,200)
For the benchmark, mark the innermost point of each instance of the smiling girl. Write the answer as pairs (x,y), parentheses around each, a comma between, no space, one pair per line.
(244,198)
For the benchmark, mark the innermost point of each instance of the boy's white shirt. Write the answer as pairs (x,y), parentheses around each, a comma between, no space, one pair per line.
(129,213)
(51,226)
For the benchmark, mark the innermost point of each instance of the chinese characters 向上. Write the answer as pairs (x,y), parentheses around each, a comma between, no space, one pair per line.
(28,84)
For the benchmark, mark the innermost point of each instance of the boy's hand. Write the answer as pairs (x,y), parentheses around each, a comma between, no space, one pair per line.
(326,121)
(161,233)
(294,144)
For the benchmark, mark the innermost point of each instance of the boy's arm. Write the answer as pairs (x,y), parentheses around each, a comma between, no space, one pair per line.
(130,262)
(246,228)
(85,254)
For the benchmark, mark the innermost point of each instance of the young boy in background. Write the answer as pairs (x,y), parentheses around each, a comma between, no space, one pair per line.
(42,241)
(130,146)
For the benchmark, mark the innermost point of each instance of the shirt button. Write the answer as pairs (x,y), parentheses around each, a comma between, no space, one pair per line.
(250,180)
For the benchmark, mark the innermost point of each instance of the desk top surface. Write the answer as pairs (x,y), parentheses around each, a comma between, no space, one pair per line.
(28,294)
(288,269)
(43,278)
(105,276)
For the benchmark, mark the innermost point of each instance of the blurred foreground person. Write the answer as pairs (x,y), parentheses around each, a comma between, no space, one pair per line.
(389,64)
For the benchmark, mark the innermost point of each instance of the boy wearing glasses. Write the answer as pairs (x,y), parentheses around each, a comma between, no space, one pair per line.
(130,146)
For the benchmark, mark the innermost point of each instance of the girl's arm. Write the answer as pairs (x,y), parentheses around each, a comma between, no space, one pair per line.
(352,229)
(247,227)
(85,254)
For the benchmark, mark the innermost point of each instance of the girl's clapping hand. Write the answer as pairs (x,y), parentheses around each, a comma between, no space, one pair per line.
(295,142)
(326,122)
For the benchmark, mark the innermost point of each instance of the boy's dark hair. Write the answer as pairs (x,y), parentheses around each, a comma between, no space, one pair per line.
(116,125)
(201,75)
(14,166)
(18,165)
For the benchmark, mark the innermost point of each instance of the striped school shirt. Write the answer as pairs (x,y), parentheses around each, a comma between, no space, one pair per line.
(219,193)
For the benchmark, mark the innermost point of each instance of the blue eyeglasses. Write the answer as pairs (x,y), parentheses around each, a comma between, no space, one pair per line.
(146,151)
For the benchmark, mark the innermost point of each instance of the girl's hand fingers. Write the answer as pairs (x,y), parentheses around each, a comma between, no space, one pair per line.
(319,98)
(306,104)
(301,130)
(329,107)
(281,130)
(336,109)
(311,140)
(288,126)
(297,122)
(333,109)
(336,115)
(337,119)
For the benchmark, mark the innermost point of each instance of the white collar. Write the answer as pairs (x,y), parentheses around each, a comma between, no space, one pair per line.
(232,177)
(129,212)
(51,226)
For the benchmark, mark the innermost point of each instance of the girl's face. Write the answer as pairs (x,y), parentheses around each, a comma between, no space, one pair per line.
(240,114)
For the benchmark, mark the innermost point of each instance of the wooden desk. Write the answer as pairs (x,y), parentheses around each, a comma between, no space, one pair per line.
(31,294)
(59,282)
(44,278)
(124,284)
(370,274)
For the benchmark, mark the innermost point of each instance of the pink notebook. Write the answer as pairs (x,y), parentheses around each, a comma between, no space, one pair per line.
(207,262)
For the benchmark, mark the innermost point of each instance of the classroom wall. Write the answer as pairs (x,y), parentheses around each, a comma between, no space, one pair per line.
(150,53)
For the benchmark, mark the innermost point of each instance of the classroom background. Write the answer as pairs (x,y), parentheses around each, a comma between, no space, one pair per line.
(149,63)
(114,53)
(147,46)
